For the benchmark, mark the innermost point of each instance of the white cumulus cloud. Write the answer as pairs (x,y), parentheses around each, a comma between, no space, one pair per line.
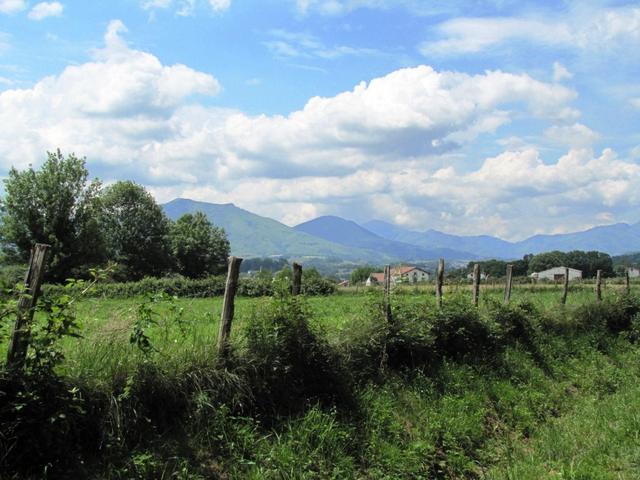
(392,147)
(12,6)
(43,10)
(576,135)
(110,108)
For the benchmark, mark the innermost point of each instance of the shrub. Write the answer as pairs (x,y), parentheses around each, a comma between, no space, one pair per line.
(193,288)
(615,314)
(459,330)
(290,362)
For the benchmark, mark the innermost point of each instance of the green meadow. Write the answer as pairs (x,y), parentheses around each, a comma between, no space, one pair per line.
(323,387)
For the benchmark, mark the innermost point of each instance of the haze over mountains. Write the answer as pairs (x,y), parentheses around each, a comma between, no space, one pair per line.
(376,241)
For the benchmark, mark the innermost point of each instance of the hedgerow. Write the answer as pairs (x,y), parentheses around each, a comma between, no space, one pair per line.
(190,288)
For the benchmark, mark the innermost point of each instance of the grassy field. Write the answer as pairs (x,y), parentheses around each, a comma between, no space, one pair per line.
(320,388)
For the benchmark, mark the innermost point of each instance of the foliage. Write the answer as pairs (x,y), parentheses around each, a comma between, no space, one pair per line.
(315,284)
(199,248)
(136,229)
(11,275)
(437,393)
(587,262)
(291,362)
(628,260)
(312,282)
(147,316)
(56,205)
(497,268)
(257,286)
(361,274)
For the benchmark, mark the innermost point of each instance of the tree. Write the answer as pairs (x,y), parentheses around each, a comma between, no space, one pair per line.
(199,248)
(588,262)
(56,205)
(360,274)
(547,260)
(136,230)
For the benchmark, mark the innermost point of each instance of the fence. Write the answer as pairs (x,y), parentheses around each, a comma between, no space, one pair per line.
(20,336)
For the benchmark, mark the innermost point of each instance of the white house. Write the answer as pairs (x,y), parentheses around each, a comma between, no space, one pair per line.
(634,272)
(557,274)
(402,274)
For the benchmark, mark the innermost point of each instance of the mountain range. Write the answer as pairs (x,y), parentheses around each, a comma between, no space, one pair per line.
(378,242)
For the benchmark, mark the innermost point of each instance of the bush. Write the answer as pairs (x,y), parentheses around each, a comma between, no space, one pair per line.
(47,424)
(291,362)
(11,275)
(179,286)
(616,315)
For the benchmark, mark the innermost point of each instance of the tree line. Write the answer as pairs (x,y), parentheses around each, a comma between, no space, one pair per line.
(89,224)
(588,262)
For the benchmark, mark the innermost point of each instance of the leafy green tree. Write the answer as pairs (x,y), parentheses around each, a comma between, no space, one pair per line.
(588,262)
(492,268)
(360,274)
(199,248)
(546,260)
(58,205)
(136,230)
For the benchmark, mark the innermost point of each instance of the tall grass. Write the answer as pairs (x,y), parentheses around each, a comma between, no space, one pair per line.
(324,388)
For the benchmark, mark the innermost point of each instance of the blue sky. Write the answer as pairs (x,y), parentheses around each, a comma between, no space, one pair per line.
(479,117)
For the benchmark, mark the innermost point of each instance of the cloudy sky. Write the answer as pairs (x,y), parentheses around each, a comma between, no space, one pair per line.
(477,117)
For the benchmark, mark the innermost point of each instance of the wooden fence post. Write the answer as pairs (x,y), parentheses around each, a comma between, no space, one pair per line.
(296,288)
(228,304)
(476,284)
(599,285)
(508,284)
(627,281)
(439,281)
(387,294)
(566,285)
(19,341)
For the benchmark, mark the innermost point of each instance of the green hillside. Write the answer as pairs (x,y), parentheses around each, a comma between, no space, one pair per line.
(254,236)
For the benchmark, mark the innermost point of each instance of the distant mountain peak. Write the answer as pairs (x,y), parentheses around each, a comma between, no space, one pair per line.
(379,241)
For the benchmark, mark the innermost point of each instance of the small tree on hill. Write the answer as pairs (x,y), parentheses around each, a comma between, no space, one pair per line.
(199,248)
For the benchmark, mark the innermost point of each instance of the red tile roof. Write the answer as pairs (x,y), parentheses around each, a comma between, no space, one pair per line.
(378,276)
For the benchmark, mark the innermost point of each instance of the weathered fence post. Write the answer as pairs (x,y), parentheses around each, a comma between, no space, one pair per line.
(439,281)
(508,284)
(566,285)
(228,304)
(387,294)
(19,342)
(476,284)
(627,281)
(599,285)
(296,288)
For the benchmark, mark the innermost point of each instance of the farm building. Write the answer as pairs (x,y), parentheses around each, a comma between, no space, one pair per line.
(634,272)
(557,274)
(402,274)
